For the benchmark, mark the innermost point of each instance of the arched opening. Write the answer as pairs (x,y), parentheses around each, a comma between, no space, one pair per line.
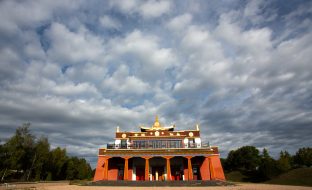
(138,167)
(119,168)
(116,168)
(197,167)
(177,168)
(157,169)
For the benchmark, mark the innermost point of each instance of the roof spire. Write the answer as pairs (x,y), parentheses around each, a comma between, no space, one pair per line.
(197,127)
(156,123)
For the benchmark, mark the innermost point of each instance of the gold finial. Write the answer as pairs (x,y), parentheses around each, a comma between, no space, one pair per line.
(156,123)
(197,127)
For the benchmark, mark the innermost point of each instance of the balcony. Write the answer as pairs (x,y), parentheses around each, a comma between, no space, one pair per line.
(130,150)
(166,145)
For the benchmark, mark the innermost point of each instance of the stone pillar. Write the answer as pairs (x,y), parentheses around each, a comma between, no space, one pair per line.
(168,167)
(126,169)
(190,169)
(146,168)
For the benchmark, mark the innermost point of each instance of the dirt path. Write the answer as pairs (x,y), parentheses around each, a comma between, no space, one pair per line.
(65,186)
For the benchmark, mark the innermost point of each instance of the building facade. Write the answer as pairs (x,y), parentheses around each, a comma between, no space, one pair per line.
(159,153)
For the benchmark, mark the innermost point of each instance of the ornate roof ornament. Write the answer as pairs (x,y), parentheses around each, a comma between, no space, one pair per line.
(157,126)
(197,127)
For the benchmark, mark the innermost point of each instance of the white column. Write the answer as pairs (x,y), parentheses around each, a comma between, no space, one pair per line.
(133,173)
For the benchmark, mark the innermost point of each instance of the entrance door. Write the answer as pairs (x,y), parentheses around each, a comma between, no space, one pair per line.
(140,173)
(120,173)
(196,174)
(158,173)
(176,173)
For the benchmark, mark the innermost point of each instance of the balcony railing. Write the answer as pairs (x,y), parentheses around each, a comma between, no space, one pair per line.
(157,146)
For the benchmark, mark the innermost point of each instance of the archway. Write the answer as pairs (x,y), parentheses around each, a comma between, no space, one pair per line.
(197,167)
(116,168)
(138,166)
(157,169)
(177,168)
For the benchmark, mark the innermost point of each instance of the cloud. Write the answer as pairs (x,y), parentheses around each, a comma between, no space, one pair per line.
(72,47)
(148,59)
(243,40)
(121,82)
(10,63)
(71,89)
(259,11)
(110,23)
(92,72)
(76,70)
(180,22)
(16,15)
(147,9)
(153,8)
(124,5)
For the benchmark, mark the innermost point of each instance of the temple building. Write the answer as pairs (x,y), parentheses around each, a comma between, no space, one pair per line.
(159,153)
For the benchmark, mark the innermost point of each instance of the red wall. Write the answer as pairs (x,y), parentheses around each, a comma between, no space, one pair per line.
(130,174)
(112,174)
(99,172)
(213,169)
(204,170)
(217,168)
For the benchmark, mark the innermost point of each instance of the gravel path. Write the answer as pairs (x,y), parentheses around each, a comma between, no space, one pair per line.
(65,186)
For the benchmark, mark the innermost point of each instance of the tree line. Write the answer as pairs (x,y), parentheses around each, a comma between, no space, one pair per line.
(260,166)
(23,157)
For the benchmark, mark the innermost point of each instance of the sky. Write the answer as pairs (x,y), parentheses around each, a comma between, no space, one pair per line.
(78,69)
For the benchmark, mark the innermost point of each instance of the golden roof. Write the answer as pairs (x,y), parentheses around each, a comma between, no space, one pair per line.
(157,126)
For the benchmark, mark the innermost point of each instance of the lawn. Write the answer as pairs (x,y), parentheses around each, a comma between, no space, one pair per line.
(300,176)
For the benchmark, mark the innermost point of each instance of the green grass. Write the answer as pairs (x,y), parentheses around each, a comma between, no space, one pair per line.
(300,177)
(235,176)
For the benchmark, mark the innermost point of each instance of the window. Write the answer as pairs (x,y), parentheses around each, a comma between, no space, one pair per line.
(123,143)
(157,144)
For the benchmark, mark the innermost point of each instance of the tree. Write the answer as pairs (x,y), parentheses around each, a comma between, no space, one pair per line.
(20,149)
(42,148)
(78,169)
(57,161)
(285,161)
(4,162)
(84,169)
(265,154)
(245,158)
(303,157)
(268,166)
(223,163)
(23,157)
(71,171)
(232,161)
